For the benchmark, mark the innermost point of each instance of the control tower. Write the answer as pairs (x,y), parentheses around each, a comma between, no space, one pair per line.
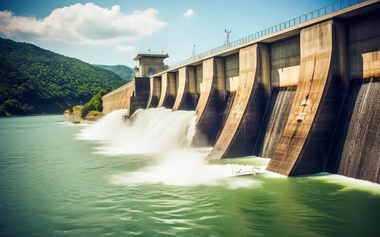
(149,63)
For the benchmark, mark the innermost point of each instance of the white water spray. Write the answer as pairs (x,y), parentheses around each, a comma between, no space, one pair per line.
(187,167)
(105,129)
(147,131)
(168,135)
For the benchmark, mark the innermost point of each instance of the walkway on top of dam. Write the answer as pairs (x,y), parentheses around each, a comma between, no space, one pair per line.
(341,9)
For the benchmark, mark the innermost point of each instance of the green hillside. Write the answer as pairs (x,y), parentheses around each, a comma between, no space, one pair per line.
(38,81)
(121,70)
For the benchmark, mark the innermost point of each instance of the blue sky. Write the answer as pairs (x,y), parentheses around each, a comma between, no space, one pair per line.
(112,32)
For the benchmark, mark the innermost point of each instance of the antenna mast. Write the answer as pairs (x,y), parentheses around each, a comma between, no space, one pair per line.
(227,37)
(193,53)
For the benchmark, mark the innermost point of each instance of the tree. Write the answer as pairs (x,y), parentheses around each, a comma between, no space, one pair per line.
(34,80)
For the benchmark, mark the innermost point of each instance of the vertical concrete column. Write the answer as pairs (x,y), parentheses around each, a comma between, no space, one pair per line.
(192,95)
(164,86)
(140,97)
(199,77)
(211,101)
(171,92)
(168,90)
(182,78)
(155,92)
(192,82)
(307,135)
(186,94)
(240,131)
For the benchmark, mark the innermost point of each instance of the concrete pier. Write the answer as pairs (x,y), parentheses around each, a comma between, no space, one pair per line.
(252,94)
(168,90)
(154,92)
(187,95)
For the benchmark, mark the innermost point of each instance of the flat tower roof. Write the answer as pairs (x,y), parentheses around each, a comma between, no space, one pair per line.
(150,54)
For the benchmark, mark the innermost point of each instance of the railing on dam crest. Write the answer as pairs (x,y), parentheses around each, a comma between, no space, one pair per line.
(274,29)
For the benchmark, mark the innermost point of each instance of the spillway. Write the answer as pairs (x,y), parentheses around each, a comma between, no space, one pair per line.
(355,152)
(274,121)
(146,131)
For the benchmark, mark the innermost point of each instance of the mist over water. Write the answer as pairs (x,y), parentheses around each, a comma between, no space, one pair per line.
(186,168)
(147,131)
(168,136)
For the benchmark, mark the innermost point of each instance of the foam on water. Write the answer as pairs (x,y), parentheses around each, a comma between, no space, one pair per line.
(348,183)
(186,168)
(105,129)
(148,131)
(167,136)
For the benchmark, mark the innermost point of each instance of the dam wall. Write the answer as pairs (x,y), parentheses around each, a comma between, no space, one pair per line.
(304,96)
(118,99)
(355,150)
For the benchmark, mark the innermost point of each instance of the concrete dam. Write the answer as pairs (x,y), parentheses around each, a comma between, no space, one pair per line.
(304,93)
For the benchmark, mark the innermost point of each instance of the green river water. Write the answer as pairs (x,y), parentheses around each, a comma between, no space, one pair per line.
(54,184)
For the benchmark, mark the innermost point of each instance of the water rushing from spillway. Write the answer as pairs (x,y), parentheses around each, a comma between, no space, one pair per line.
(274,123)
(147,131)
(168,136)
(360,148)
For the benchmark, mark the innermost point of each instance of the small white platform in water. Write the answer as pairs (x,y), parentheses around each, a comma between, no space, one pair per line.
(253,170)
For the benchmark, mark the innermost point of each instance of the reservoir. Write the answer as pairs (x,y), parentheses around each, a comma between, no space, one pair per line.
(143,179)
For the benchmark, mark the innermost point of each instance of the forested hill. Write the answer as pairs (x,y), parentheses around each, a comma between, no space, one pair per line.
(37,81)
(121,70)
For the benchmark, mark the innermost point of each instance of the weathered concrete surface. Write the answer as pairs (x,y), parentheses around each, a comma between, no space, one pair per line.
(164,87)
(77,119)
(364,46)
(183,78)
(240,131)
(211,101)
(355,148)
(274,121)
(155,92)
(285,62)
(72,117)
(232,78)
(305,142)
(149,63)
(322,66)
(358,137)
(140,97)
(187,96)
(232,72)
(168,90)
(118,99)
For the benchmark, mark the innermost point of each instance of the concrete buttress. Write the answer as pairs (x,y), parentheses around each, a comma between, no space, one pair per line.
(240,130)
(211,102)
(306,139)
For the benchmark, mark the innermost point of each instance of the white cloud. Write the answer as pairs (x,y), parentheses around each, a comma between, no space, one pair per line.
(188,13)
(124,48)
(89,24)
